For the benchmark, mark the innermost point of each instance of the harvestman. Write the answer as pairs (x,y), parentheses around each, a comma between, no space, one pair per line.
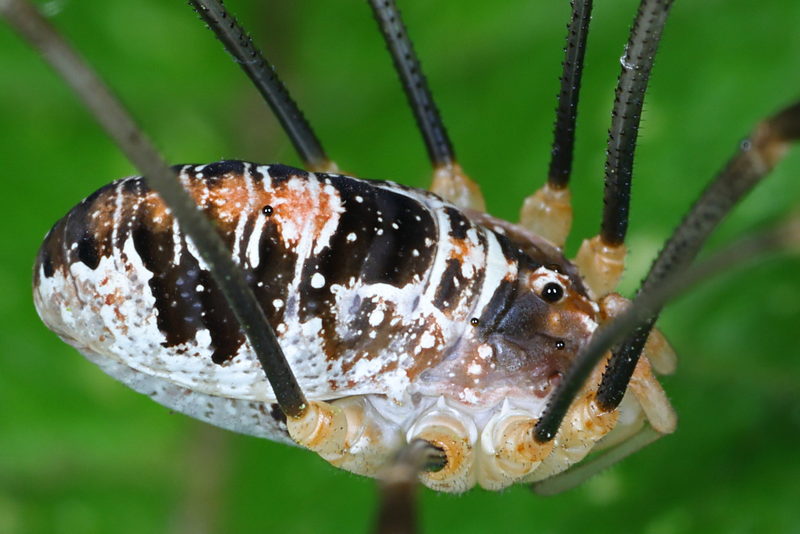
(514,445)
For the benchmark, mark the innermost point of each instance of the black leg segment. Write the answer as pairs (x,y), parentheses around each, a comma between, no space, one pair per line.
(111,115)
(241,47)
(756,156)
(440,150)
(567,110)
(637,62)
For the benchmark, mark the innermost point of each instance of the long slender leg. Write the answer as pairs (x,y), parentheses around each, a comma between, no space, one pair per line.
(755,157)
(250,59)
(548,212)
(398,484)
(449,181)
(783,236)
(601,259)
(111,115)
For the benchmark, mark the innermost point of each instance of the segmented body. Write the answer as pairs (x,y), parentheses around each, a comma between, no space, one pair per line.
(373,289)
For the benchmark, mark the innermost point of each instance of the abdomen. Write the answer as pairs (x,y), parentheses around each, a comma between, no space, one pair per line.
(365,283)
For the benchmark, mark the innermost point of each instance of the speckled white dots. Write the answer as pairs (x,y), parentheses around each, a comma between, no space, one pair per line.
(485,351)
(376,317)
(475,369)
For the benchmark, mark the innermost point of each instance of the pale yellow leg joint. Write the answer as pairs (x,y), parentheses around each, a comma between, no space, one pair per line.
(508,451)
(548,213)
(322,428)
(327,166)
(452,184)
(653,399)
(600,265)
(443,430)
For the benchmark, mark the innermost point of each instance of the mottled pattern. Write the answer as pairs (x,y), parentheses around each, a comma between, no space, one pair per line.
(371,288)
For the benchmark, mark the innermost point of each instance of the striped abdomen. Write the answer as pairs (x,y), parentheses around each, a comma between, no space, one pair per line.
(367,284)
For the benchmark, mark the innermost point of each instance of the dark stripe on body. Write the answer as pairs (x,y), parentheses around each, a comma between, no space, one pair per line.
(368,248)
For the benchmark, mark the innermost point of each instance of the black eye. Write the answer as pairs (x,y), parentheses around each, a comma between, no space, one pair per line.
(474,321)
(266,210)
(560,344)
(552,292)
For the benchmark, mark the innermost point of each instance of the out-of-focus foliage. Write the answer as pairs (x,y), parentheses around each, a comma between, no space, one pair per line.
(80,453)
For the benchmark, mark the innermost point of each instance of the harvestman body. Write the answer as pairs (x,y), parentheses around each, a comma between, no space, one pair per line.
(423,320)
(403,314)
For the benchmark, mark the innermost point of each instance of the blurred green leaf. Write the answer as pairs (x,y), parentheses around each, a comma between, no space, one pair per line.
(80,453)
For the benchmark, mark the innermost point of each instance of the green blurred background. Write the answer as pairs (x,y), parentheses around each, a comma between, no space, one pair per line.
(80,453)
